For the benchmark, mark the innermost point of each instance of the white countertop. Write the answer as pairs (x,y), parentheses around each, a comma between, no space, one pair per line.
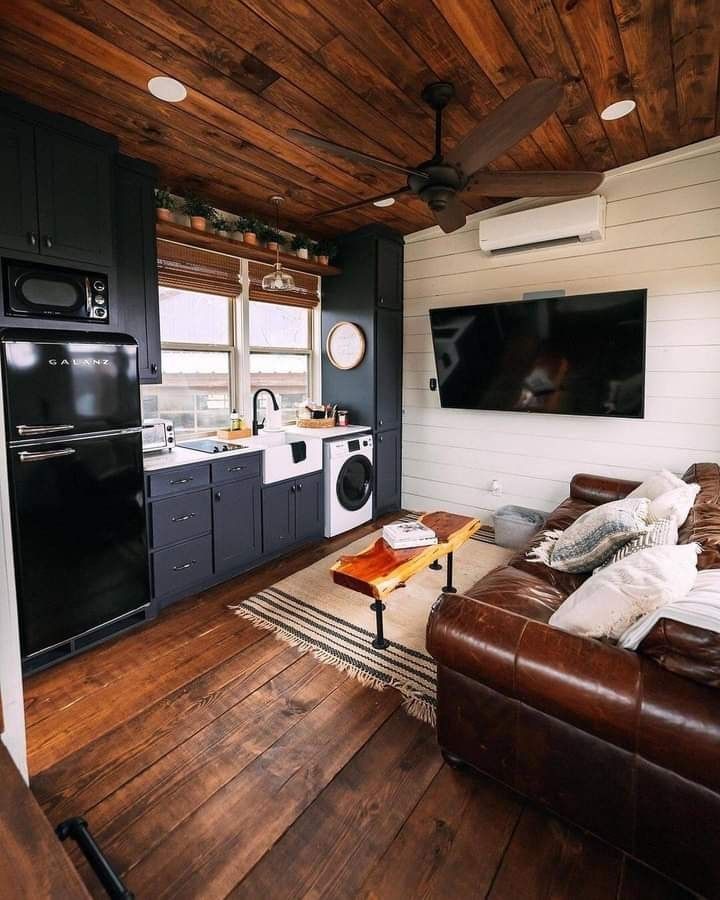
(325,434)
(183,456)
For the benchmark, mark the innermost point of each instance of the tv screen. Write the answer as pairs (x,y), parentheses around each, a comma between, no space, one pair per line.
(582,355)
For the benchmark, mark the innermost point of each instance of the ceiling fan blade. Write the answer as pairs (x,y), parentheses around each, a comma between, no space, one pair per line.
(452,217)
(359,203)
(506,125)
(339,150)
(534,184)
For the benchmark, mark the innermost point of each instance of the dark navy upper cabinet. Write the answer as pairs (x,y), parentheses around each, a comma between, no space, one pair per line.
(237,534)
(389,274)
(18,203)
(74,181)
(388,368)
(56,186)
(137,263)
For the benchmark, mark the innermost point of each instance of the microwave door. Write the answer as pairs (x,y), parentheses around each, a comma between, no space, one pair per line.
(59,388)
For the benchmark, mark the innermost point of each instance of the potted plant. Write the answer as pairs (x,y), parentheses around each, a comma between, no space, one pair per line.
(251,229)
(325,250)
(271,237)
(236,228)
(222,226)
(301,244)
(200,212)
(164,204)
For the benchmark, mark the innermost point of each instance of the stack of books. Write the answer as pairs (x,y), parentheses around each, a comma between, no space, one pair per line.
(404,535)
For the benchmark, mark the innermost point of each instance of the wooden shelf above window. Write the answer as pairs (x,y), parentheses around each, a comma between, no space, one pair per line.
(169,231)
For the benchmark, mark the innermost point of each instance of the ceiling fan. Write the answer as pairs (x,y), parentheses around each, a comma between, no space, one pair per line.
(440,181)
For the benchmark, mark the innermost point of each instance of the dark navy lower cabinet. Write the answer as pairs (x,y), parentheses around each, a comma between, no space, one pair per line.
(388,471)
(292,512)
(237,524)
(210,522)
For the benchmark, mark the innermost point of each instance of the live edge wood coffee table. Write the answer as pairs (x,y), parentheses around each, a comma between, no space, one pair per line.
(378,570)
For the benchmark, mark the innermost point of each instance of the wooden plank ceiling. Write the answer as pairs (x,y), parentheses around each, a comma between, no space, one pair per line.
(352,71)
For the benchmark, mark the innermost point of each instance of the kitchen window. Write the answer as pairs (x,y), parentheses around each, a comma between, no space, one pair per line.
(198,362)
(223,338)
(280,339)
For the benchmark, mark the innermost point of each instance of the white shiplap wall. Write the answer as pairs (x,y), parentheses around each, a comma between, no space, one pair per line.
(663,234)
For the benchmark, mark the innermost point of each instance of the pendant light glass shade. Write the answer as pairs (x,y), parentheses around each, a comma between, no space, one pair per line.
(278,279)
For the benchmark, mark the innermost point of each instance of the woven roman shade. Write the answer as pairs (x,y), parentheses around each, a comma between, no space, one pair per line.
(195,269)
(305,293)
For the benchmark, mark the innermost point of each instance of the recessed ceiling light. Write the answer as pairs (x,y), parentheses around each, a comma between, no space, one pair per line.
(618,110)
(388,201)
(165,88)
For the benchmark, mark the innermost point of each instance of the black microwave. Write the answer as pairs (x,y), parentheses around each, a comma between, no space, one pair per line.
(50,292)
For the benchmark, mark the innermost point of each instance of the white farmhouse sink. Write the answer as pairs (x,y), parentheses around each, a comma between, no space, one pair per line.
(278,462)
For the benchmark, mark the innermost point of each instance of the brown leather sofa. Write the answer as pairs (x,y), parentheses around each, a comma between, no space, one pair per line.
(625,744)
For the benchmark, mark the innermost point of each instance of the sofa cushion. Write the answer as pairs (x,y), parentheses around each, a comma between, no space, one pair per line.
(685,650)
(656,485)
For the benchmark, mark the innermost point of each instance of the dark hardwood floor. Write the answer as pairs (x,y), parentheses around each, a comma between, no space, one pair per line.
(212,760)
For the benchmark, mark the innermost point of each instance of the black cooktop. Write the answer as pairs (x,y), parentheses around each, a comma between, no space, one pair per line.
(208,445)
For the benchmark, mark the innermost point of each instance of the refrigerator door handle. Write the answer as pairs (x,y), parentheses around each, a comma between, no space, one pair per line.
(26,456)
(43,429)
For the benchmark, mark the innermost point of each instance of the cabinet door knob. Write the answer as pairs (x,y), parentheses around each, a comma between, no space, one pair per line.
(380,438)
(380,421)
(47,240)
(32,238)
(218,495)
(299,487)
(292,488)
(381,300)
(153,368)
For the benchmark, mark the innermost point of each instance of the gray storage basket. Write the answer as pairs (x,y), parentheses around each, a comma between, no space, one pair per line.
(516,525)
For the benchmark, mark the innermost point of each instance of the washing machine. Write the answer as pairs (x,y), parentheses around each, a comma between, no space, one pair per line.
(348,483)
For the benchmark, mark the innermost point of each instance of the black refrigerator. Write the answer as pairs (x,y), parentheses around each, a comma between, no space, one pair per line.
(73,430)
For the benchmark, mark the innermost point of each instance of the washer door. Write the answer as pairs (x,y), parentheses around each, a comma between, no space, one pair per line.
(354,482)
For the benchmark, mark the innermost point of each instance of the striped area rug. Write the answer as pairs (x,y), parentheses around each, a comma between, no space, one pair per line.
(336,624)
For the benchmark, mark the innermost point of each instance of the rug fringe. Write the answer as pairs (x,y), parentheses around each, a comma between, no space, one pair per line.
(417,707)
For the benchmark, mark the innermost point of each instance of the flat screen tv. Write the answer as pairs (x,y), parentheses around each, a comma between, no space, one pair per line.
(581,356)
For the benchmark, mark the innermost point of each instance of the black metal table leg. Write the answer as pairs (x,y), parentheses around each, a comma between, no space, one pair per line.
(449,589)
(380,643)
(435,566)
(77,829)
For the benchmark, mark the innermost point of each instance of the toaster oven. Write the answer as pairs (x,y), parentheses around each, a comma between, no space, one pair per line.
(157,434)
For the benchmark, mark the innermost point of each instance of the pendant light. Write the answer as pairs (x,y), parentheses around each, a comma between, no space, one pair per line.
(278,279)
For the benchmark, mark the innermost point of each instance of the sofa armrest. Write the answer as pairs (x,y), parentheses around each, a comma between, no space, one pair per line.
(592,685)
(595,489)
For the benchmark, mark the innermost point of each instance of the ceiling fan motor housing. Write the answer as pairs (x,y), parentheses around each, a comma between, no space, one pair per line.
(443,183)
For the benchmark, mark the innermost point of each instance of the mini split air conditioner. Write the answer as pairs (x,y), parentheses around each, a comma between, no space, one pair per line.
(572,222)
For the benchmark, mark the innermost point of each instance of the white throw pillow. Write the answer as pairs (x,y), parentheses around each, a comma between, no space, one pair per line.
(675,504)
(658,484)
(594,536)
(612,599)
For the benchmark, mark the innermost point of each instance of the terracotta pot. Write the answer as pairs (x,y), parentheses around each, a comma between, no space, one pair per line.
(324,260)
(272,245)
(250,237)
(199,223)
(302,252)
(163,214)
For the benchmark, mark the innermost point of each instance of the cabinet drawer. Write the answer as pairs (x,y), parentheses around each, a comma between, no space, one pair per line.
(235,467)
(182,566)
(179,518)
(174,481)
